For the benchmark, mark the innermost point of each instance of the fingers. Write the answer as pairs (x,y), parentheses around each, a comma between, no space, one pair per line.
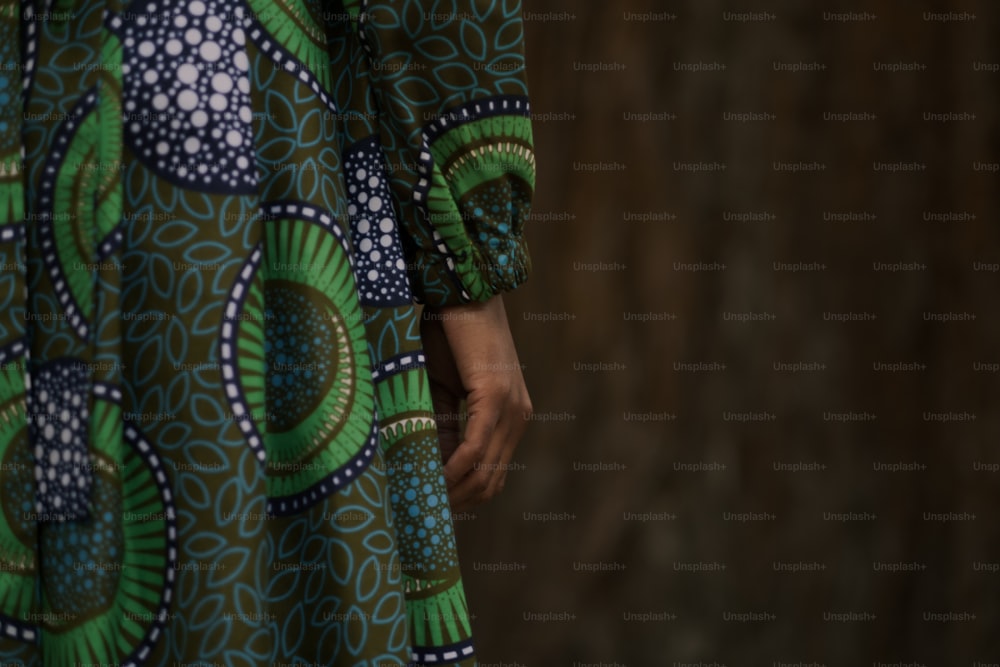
(471,353)
(467,473)
(478,470)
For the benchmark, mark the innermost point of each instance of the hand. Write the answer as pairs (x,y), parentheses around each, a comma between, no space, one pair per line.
(471,357)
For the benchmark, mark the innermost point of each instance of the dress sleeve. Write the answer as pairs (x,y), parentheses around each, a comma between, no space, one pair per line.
(448,78)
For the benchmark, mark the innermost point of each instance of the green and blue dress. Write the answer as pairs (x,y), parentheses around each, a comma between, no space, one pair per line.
(217,220)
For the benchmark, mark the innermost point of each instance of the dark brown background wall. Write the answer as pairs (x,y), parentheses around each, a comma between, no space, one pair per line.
(642,524)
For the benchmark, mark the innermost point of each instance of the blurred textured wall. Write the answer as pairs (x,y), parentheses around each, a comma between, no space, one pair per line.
(761,339)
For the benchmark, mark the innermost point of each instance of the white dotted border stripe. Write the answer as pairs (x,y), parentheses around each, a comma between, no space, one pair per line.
(46,229)
(425,166)
(227,354)
(138,442)
(19,631)
(112,241)
(31,46)
(14,349)
(362,35)
(434,656)
(231,319)
(108,392)
(285,505)
(504,105)
(308,213)
(449,261)
(12,232)
(398,364)
(292,65)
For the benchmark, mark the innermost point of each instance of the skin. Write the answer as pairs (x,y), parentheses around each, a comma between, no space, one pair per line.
(471,357)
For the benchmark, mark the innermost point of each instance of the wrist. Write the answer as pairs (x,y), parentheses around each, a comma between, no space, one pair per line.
(490,313)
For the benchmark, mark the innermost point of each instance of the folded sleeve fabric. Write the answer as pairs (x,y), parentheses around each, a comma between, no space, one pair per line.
(450,84)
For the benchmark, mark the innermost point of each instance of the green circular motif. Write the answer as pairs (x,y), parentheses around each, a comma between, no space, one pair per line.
(304,367)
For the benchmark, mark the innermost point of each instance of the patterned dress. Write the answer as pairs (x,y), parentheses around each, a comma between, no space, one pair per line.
(217,444)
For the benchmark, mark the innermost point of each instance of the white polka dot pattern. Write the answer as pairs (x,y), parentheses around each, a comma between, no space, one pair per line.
(379,265)
(187,103)
(59,410)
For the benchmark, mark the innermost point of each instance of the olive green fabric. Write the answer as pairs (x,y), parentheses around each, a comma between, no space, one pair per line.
(217,441)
